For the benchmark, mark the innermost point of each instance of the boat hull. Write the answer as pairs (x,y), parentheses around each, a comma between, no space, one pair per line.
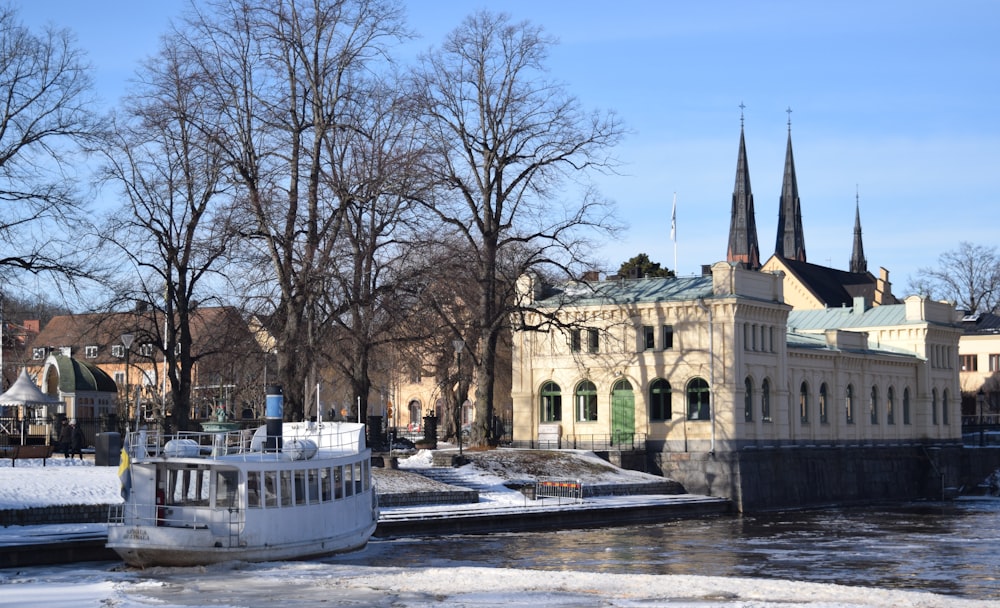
(147,554)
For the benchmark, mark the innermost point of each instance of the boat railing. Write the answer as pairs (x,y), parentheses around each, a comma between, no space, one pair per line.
(248,443)
(175,516)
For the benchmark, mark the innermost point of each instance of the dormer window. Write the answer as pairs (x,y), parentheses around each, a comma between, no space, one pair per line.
(118,350)
(90,352)
(38,353)
(146,350)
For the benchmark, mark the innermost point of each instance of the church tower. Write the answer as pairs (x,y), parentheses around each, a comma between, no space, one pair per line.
(791,242)
(858,262)
(742,225)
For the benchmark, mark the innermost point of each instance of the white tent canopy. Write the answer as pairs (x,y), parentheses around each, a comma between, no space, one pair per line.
(24,392)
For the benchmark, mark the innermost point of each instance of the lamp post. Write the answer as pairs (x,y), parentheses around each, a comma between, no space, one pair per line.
(127,340)
(458,344)
(981,400)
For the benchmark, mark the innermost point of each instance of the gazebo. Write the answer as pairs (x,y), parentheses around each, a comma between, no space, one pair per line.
(31,409)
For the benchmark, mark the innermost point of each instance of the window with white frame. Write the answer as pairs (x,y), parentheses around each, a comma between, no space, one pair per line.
(90,352)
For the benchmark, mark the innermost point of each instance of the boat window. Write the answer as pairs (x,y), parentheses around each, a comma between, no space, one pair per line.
(349,480)
(313,486)
(226,484)
(285,488)
(300,487)
(338,482)
(253,489)
(366,475)
(187,486)
(326,483)
(358,483)
(270,488)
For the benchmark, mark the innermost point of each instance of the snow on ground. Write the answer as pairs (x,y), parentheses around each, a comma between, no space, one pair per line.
(301,584)
(59,482)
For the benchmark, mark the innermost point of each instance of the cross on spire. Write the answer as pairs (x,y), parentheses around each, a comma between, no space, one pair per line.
(789,110)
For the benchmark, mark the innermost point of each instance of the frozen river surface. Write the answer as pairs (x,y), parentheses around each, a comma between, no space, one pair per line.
(922,554)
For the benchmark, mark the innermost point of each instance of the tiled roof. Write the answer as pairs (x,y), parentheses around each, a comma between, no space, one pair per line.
(833,287)
(981,324)
(628,291)
(210,326)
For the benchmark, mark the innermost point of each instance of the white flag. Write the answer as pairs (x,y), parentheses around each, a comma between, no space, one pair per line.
(673,221)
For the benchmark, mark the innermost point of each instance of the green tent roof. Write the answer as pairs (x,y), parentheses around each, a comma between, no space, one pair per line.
(77,376)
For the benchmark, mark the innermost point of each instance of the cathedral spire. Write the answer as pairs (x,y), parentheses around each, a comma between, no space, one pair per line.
(791,242)
(858,262)
(742,225)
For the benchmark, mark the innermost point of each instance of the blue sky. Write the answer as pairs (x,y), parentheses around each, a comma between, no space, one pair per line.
(897,101)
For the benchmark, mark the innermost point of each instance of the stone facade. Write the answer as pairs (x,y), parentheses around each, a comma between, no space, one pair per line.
(706,369)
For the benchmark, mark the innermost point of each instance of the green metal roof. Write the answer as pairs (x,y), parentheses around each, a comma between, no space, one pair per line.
(628,291)
(848,317)
(77,376)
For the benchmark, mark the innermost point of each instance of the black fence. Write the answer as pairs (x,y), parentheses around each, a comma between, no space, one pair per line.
(614,442)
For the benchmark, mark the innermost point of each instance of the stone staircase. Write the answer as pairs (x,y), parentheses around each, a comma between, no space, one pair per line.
(453,477)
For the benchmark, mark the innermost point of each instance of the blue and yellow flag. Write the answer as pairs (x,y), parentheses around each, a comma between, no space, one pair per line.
(125,472)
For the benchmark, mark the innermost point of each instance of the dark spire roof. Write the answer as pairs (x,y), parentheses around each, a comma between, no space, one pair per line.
(791,242)
(858,261)
(742,225)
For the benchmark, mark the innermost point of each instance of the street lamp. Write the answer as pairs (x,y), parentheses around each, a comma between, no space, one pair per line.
(458,344)
(127,340)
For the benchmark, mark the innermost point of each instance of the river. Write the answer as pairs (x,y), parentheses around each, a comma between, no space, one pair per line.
(951,548)
(882,554)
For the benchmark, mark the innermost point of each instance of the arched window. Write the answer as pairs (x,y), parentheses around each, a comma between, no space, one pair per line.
(823,413)
(748,399)
(849,404)
(873,405)
(890,406)
(660,407)
(413,410)
(765,400)
(944,407)
(698,396)
(906,405)
(933,406)
(586,402)
(551,406)
(804,403)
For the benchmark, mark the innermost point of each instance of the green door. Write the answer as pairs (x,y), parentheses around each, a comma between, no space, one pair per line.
(622,414)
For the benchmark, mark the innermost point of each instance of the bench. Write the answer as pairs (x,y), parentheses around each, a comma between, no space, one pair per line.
(28,451)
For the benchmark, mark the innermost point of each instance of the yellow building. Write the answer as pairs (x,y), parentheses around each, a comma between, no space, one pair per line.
(779,385)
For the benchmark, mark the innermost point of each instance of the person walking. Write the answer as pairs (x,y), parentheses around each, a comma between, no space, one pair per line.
(77,440)
(65,438)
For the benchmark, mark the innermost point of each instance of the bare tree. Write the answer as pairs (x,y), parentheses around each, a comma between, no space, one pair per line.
(173,226)
(282,76)
(508,143)
(45,123)
(968,276)
(374,173)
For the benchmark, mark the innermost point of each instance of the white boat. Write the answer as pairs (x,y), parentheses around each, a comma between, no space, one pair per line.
(202,498)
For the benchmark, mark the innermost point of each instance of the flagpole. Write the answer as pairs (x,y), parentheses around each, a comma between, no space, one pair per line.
(673,232)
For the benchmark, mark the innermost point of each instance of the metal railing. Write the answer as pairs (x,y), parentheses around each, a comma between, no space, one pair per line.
(614,442)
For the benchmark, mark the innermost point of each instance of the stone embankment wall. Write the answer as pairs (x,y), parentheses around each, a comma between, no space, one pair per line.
(800,477)
(978,463)
(67,514)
